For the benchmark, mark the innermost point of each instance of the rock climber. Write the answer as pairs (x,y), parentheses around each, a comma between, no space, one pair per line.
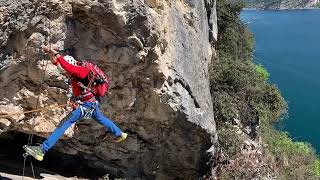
(86,104)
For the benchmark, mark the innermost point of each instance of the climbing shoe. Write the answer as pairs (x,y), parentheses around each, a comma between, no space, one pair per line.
(34,151)
(121,138)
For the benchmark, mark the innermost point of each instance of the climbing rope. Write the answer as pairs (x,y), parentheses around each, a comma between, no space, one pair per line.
(44,69)
(34,110)
(38,100)
(24,166)
(32,169)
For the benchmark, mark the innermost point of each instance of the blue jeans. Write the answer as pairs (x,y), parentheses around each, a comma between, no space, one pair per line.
(76,115)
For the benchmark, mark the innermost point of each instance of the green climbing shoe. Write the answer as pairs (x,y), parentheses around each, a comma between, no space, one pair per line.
(34,151)
(121,138)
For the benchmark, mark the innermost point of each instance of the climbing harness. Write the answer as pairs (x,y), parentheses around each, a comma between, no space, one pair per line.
(86,112)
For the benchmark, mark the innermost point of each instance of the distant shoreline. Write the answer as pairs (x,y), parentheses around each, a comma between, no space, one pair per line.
(275,9)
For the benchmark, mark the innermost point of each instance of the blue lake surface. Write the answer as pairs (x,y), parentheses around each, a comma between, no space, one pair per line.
(288,46)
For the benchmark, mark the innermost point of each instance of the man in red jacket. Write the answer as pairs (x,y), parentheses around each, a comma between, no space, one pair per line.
(87,105)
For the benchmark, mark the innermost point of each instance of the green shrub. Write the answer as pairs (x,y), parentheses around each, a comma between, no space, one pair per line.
(295,160)
(234,40)
(316,168)
(227,107)
(240,89)
(262,71)
(229,141)
(280,142)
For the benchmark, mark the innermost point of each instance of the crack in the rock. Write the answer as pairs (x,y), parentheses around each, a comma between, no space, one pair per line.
(187,87)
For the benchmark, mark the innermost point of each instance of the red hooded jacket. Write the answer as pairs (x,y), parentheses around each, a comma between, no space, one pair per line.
(78,74)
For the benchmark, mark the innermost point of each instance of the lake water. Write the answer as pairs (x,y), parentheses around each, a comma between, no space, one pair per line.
(288,45)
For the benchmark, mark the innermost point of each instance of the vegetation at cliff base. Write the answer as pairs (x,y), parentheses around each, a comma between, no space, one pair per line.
(246,107)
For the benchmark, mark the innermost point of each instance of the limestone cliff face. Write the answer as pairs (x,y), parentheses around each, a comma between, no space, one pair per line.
(156,53)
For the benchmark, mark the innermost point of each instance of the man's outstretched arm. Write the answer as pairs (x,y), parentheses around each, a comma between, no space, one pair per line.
(55,57)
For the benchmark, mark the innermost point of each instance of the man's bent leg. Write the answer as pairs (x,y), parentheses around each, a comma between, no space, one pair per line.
(99,117)
(59,131)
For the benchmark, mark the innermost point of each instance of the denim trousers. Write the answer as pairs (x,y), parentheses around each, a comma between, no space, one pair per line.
(75,116)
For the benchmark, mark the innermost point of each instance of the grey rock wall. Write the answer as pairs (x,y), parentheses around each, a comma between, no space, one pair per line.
(156,53)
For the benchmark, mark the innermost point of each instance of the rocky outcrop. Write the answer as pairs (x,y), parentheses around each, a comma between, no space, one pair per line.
(283,4)
(312,3)
(156,53)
